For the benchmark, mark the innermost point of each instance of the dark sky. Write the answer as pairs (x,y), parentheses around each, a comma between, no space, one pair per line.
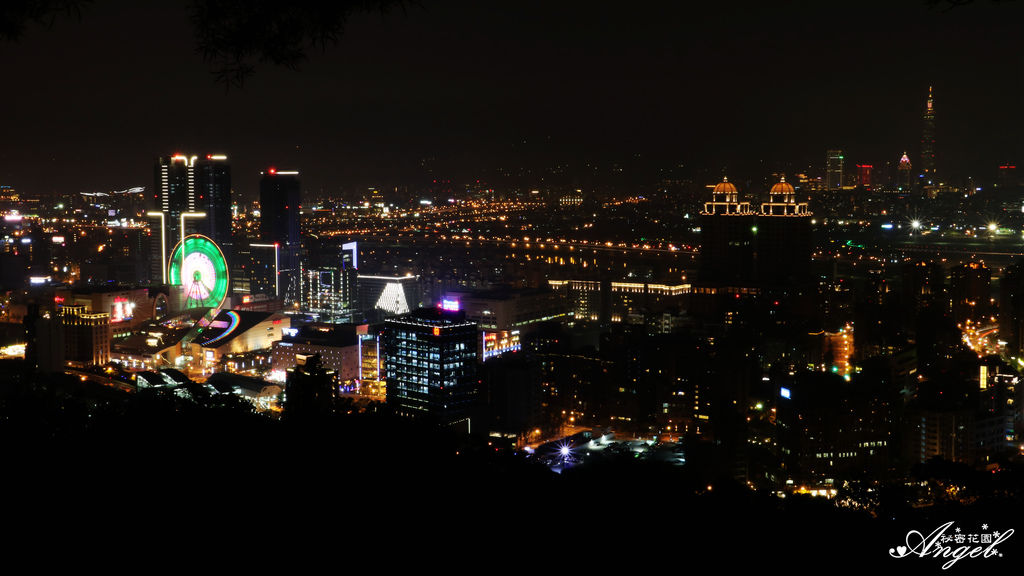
(476,85)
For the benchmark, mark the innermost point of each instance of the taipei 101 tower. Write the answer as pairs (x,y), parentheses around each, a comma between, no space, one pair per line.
(928,141)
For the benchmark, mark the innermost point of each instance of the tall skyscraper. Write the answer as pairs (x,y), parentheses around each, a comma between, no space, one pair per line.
(864,175)
(834,170)
(430,358)
(189,184)
(727,231)
(280,196)
(928,140)
(906,177)
(174,192)
(784,242)
(213,196)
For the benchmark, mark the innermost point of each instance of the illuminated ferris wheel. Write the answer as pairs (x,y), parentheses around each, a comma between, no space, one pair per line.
(198,266)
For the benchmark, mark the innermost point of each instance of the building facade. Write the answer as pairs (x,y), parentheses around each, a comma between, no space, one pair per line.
(385,296)
(430,362)
(280,198)
(834,170)
(928,140)
(184,183)
(86,336)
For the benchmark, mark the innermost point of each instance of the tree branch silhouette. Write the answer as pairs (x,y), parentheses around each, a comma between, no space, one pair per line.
(235,36)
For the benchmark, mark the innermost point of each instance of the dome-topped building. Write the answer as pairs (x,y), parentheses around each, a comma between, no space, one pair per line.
(727,237)
(782,187)
(782,201)
(725,187)
(784,242)
(750,256)
(725,200)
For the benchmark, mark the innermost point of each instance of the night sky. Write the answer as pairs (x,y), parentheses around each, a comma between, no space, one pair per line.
(472,86)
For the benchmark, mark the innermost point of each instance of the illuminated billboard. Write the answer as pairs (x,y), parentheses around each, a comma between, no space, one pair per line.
(499,342)
(121,310)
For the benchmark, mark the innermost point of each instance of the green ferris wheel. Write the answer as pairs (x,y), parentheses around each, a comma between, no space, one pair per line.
(198,266)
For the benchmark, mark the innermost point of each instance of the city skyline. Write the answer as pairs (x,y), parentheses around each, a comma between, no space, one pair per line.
(735,280)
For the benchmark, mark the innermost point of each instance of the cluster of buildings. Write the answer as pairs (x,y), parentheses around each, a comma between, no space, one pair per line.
(799,365)
(901,175)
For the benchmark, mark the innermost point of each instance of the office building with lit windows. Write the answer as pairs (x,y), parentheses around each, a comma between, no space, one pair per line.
(327,283)
(430,358)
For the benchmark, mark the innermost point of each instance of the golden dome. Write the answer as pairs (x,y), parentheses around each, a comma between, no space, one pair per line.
(782,187)
(725,187)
